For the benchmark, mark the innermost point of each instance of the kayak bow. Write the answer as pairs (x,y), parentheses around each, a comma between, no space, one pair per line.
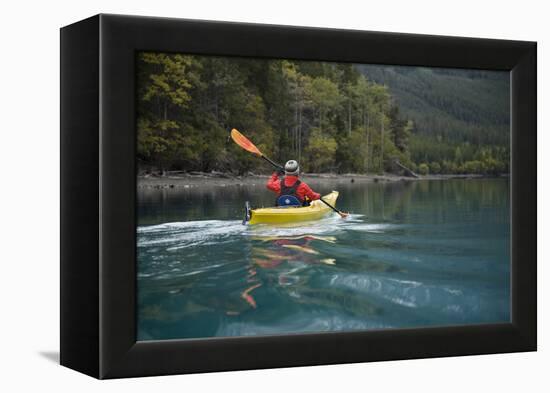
(286,215)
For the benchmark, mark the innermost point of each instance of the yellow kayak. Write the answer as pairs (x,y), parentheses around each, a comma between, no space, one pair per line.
(286,215)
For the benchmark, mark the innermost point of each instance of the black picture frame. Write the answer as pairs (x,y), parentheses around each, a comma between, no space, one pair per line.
(98,196)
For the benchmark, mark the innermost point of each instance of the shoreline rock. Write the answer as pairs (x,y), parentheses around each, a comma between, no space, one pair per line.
(200,179)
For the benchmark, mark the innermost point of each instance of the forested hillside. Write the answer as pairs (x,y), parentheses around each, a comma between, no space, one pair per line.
(330,117)
(462,111)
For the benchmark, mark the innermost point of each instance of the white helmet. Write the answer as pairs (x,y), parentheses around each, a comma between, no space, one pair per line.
(292,168)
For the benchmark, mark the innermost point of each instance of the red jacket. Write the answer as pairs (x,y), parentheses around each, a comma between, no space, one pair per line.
(274,184)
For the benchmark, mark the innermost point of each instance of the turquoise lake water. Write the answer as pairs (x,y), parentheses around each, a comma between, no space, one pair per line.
(412,254)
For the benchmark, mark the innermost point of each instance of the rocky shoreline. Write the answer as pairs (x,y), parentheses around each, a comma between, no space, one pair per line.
(201,179)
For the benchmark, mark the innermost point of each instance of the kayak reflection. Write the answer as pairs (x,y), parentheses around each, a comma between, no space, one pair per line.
(270,252)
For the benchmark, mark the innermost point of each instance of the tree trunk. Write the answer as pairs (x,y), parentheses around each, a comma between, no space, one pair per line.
(369,145)
(408,172)
(300,133)
(366,130)
(216,104)
(349,116)
(382,144)
(296,124)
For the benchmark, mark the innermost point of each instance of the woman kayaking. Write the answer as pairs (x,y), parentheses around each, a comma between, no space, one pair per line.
(300,192)
(290,190)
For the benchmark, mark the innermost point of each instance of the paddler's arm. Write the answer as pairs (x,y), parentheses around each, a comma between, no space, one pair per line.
(308,192)
(273,183)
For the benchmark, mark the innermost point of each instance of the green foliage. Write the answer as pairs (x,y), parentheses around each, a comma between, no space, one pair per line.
(453,157)
(328,116)
(320,151)
(447,167)
(455,114)
(473,167)
(326,100)
(171,83)
(435,168)
(458,105)
(353,152)
(400,129)
(423,169)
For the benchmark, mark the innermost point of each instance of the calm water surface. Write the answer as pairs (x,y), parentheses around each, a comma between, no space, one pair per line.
(412,254)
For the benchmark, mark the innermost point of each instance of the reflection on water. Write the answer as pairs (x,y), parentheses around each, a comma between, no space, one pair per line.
(411,254)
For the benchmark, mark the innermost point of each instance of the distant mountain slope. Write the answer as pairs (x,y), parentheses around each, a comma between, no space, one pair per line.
(450,104)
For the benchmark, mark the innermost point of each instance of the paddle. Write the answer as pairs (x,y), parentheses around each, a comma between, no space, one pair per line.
(341,213)
(246,144)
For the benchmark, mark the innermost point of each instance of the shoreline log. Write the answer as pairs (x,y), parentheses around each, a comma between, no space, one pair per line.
(408,172)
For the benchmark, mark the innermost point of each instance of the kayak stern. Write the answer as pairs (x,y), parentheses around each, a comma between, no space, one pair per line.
(286,215)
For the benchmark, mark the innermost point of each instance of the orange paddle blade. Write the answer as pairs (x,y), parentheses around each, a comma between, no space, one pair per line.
(243,142)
